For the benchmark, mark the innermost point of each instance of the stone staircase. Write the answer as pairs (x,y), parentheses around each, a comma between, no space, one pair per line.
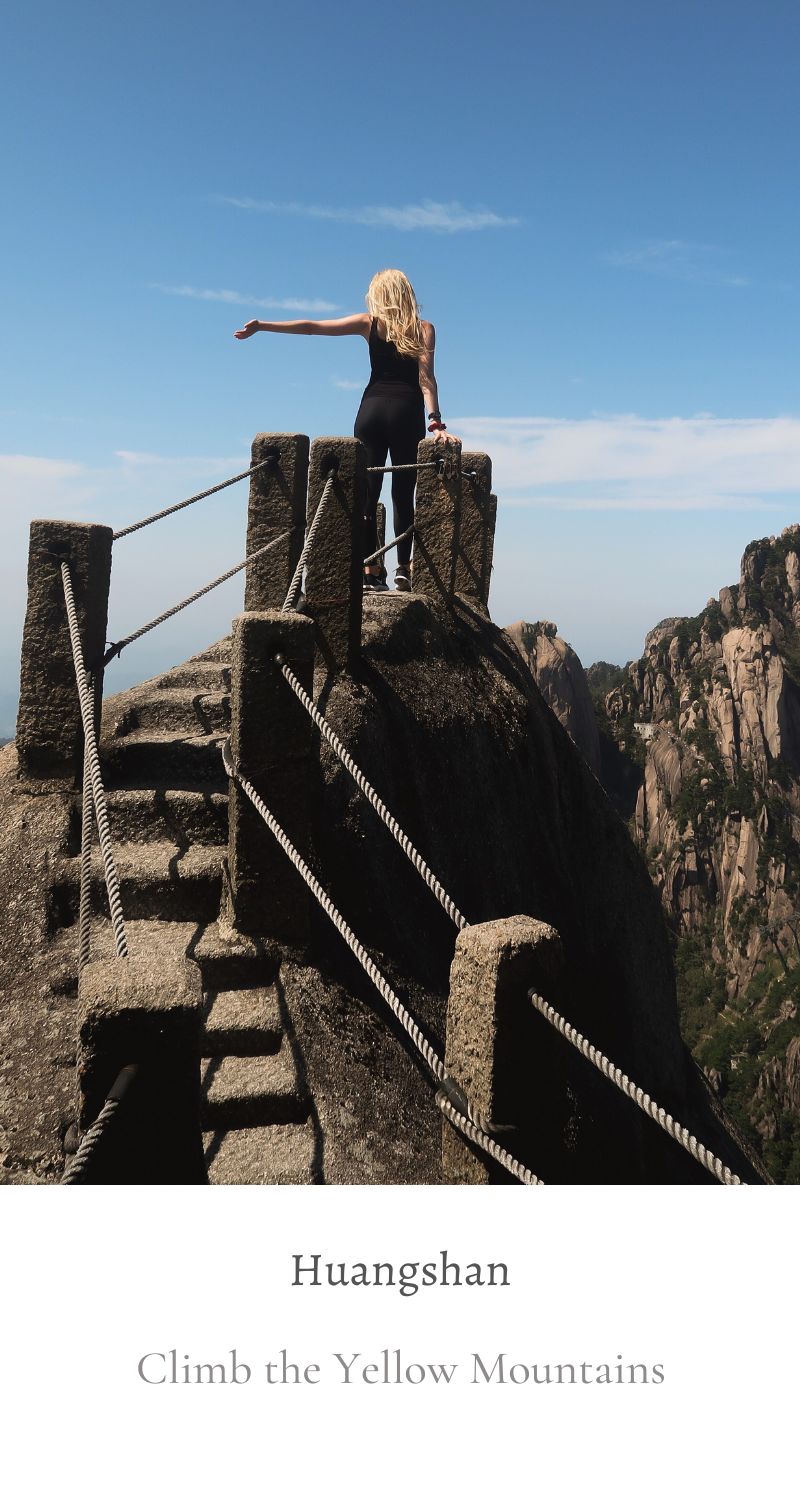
(167,804)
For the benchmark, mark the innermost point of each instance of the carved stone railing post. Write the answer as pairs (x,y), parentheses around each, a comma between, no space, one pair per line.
(454,524)
(436,521)
(493,1046)
(148,1011)
(475,543)
(270,745)
(334,578)
(277,503)
(49,727)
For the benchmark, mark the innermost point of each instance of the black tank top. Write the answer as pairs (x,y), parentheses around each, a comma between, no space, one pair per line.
(392,373)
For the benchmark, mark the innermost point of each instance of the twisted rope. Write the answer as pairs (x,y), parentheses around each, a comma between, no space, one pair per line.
(479,1138)
(292,596)
(116,647)
(76,1170)
(426,1051)
(85,904)
(373,557)
(372,796)
(398,468)
(672,1127)
(170,510)
(80,1161)
(92,757)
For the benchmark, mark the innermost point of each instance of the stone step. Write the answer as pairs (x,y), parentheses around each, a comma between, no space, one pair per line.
(243,1022)
(237,1091)
(145,815)
(204,676)
(151,758)
(186,710)
(225,959)
(263,1155)
(159,880)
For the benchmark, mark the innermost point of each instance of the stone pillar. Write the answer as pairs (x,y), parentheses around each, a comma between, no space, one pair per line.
(148,1011)
(277,502)
(436,520)
(494,1049)
(334,579)
(270,745)
(49,727)
(475,543)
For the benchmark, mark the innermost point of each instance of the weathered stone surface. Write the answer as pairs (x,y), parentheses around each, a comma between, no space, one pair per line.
(475,530)
(561,680)
(149,1013)
(495,1042)
(436,522)
(49,727)
(334,583)
(277,503)
(270,743)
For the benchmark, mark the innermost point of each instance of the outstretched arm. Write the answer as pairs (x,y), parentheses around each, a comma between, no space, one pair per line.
(332,327)
(427,380)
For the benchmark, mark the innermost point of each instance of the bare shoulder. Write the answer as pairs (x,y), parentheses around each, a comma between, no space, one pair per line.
(428,334)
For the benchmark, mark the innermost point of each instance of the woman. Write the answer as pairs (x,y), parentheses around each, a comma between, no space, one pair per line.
(391,417)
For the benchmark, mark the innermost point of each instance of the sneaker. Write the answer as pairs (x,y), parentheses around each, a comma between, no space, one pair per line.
(402,580)
(375,583)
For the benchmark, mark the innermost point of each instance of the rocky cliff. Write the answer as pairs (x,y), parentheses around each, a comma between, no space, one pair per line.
(707,724)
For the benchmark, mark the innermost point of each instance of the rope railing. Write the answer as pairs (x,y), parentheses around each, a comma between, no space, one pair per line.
(293,594)
(192,500)
(92,763)
(678,1132)
(371,795)
(373,557)
(479,1129)
(115,647)
(76,1170)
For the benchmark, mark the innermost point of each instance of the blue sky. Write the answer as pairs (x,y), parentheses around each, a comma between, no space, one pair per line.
(597,201)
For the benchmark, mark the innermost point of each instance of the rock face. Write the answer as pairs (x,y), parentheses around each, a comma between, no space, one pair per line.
(444,718)
(561,680)
(711,716)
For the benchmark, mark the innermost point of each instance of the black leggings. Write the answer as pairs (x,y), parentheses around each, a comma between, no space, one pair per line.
(391,424)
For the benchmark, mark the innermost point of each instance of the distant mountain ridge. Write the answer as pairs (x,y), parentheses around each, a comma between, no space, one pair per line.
(700,751)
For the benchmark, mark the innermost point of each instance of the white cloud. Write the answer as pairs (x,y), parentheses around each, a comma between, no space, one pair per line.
(629,462)
(442,218)
(242,299)
(348,385)
(679,260)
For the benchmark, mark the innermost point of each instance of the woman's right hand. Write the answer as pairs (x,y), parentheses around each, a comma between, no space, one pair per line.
(442,436)
(249,329)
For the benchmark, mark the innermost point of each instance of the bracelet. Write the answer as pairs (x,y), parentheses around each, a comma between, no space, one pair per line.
(434,416)
(436,427)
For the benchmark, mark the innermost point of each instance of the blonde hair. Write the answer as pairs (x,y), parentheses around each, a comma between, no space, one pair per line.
(390,297)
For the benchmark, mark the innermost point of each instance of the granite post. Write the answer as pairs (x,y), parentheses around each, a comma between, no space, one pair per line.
(49,726)
(147,1011)
(277,503)
(494,1049)
(334,576)
(270,745)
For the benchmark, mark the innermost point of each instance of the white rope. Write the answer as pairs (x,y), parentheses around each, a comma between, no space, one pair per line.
(398,468)
(372,796)
(92,757)
(373,557)
(297,578)
(426,1051)
(677,1131)
(116,647)
(85,904)
(80,1160)
(480,1138)
(170,510)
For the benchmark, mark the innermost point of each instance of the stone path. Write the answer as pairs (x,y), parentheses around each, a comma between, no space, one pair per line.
(167,801)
